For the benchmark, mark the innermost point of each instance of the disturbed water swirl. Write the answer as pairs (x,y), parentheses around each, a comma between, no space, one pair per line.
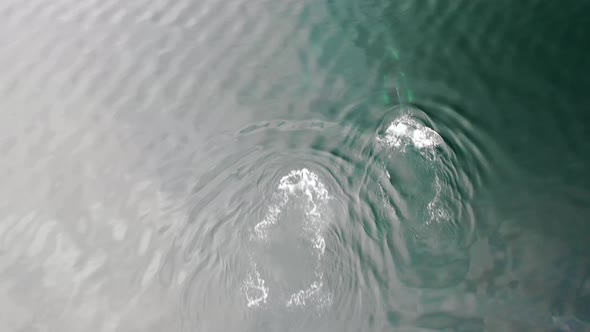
(300,189)
(275,214)
(315,233)
(424,198)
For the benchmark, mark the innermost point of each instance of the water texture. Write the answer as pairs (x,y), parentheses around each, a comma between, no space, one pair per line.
(294,165)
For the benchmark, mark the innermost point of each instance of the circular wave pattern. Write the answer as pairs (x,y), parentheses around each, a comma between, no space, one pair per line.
(265,234)
(284,230)
(293,251)
(421,193)
(305,186)
(405,131)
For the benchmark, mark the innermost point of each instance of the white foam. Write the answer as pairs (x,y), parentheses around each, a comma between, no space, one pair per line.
(312,294)
(305,181)
(405,131)
(254,288)
(436,208)
(261,229)
(299,184)
(299,298)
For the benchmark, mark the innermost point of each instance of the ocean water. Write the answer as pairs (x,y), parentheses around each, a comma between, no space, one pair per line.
(373,165)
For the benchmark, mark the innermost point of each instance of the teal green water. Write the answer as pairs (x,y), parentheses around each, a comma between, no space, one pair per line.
(286,165)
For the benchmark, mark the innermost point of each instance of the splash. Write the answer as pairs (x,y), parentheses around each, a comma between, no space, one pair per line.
(305,186)
(298,182)
(405,131)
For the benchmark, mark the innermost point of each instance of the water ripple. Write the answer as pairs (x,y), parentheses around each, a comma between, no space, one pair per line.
(292,208)
(237,166)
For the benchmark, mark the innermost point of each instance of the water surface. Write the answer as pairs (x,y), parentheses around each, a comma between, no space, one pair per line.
(294,166)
